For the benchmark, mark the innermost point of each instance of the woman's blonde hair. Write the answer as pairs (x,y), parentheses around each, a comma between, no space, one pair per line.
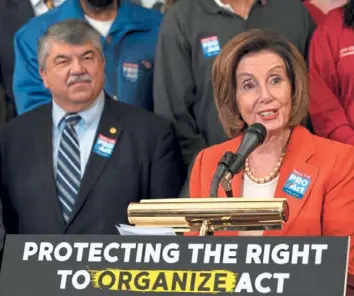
(224,76)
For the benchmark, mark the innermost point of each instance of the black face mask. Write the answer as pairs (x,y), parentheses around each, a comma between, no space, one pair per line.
(100,3)
(349,14)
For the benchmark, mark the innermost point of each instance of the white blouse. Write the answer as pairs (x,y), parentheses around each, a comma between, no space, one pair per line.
(255,190)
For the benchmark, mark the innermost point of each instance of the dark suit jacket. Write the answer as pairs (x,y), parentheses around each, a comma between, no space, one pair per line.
(13,15)
(145,163)
(3,105)
(2,232)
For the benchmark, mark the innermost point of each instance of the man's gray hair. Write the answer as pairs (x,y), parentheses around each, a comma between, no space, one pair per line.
(71,31)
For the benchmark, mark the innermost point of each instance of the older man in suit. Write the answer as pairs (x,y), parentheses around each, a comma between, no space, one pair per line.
(73,166)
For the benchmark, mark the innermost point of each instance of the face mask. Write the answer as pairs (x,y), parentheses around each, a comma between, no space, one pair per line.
(100,3)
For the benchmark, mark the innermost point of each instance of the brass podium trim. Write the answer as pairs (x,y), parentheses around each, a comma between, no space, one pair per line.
(208,215)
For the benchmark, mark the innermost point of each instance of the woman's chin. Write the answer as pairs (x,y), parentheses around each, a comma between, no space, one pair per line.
(274,127)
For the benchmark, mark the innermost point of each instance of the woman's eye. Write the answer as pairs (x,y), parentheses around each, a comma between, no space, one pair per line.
(248,86)
(275,80)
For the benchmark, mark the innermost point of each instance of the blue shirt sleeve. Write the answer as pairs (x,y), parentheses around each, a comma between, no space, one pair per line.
(28,87)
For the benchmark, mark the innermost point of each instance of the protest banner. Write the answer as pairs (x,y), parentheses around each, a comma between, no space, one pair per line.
(173,265)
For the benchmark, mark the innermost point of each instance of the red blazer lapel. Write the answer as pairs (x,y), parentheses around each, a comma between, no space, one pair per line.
(296,177)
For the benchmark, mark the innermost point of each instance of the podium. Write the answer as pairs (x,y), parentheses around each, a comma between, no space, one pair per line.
(208,215)
(173,265)
(92,265)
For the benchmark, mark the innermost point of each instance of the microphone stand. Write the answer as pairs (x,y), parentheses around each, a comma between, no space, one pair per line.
(229,165)
(232,163)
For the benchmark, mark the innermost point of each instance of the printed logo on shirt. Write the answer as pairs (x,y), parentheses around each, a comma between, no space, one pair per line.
(104,146)
(297,184)
(211,46)
(130,71)
(346,51)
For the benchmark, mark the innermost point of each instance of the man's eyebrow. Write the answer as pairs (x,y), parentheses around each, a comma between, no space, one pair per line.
(61,56)
(87,52)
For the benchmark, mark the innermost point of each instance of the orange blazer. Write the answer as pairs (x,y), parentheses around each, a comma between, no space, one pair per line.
(327,206)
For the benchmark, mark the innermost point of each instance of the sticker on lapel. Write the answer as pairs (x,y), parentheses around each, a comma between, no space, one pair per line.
(130,71)
(211,46)
(297,184)
(104,146)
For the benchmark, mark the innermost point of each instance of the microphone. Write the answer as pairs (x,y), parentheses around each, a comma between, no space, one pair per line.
(254,136)
(231,164)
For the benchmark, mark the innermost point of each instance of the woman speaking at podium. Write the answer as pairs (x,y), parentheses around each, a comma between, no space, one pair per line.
(259,77)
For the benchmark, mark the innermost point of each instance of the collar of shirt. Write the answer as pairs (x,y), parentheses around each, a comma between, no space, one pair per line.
(102,27)
(37,2)
(225,6)
(89,116)
(212,8)
(131,17)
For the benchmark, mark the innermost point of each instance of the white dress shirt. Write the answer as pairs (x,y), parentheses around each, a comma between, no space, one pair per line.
(225,6)
(102,27)
(39,6)
(255,190)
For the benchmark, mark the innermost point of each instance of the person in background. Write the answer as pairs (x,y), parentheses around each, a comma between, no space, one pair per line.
(13,15)
(319,8)
(191,36)
(260,77)
(332,77)
(86,156)
(128,35)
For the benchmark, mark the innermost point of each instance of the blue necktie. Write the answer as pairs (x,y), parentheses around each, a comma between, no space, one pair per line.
(68,176)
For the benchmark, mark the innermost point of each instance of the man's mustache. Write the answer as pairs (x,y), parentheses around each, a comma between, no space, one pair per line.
(78,78)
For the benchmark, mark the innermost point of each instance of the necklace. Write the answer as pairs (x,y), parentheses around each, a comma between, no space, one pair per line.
(268,178)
